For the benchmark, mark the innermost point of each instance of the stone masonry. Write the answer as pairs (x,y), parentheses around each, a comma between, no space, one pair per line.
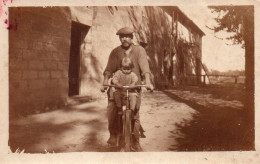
(39,44)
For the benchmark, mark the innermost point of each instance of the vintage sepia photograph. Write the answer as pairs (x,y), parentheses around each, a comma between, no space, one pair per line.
(129,81)
(131,78)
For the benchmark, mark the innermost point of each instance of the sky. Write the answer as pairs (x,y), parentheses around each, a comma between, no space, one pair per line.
(216,54)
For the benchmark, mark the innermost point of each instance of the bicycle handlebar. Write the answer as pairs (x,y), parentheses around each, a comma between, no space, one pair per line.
(126,87)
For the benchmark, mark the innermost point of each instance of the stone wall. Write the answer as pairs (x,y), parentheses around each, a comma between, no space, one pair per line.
(39,44)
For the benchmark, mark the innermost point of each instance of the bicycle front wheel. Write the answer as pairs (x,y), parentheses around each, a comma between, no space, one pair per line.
(127,130)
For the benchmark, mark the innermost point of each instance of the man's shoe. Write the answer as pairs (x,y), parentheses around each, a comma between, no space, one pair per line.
(112,140)
(120,111)
(137,147)
(142,135)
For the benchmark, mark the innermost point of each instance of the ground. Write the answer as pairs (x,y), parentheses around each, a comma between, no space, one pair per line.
(183,119)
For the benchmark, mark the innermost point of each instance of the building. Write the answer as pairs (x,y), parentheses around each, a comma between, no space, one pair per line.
(58,52)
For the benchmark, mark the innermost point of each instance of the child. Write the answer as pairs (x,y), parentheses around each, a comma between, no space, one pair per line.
(125,77)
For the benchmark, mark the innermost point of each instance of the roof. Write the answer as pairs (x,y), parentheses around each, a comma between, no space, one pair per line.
(185,20)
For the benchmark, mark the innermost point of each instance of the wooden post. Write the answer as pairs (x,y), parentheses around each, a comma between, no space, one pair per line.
(248,28)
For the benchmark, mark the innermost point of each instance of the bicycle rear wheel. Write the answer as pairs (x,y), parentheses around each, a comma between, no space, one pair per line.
(127,130)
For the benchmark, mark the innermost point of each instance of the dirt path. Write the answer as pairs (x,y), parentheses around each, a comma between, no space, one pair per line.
(170,125)
(159,116)
(74,129)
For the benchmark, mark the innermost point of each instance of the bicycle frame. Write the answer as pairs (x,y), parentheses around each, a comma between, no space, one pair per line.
(125,121)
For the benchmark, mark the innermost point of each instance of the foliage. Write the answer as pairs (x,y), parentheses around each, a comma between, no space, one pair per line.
(228,73)
(230,19)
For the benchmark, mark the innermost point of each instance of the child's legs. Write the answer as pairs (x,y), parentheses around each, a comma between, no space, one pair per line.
(118,99)
(132,99)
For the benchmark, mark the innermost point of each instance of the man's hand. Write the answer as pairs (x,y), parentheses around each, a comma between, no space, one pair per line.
(148,81)
(105,82)
(103,88)
(150,86)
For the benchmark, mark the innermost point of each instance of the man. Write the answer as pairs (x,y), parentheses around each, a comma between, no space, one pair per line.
(141,68)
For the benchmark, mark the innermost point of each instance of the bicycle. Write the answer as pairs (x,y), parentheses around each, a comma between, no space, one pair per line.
(124,120)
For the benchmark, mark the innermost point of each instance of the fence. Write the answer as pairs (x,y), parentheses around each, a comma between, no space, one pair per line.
(220,79)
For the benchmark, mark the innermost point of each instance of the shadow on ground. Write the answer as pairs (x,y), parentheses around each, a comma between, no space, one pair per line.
(212,129)
(222,91)
(73,129)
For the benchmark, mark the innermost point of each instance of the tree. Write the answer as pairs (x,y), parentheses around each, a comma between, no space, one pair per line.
(239,21)
(230,19)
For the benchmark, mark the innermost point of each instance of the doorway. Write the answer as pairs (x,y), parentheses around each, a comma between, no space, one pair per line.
(78,34)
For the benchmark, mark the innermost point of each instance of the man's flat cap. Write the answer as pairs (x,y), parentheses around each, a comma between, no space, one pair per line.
(125,31)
